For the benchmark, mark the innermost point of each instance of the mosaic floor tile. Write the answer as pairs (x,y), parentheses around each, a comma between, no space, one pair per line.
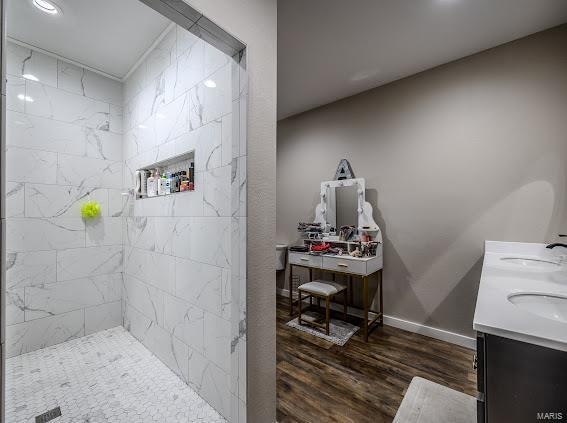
(104,377)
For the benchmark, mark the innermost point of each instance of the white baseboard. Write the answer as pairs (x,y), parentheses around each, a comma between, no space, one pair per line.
(443,335)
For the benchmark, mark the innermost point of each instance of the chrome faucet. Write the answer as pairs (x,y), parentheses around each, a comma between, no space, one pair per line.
(557,244)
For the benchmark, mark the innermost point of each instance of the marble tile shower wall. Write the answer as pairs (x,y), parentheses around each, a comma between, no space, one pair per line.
(64,146)
(184,254)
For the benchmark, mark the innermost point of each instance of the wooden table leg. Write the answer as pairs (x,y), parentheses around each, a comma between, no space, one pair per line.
(299,307)
(291,289)
(381,299)
(365,303)
(349,288)
(345,306)
(327,314)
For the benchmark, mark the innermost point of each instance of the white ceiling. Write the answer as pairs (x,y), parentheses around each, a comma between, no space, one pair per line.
(108,35)
(331,49)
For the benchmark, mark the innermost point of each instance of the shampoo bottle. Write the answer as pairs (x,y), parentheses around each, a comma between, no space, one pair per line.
(152,191)
(167,183)
(144,181)
(161,184)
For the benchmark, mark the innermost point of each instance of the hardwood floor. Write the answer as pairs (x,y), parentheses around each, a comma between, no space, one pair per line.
(318,381)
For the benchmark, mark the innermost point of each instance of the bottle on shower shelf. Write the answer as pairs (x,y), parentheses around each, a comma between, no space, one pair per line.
(161,184)
(174,179)
(152,184)
(192,177)
(144,183)
(168,184)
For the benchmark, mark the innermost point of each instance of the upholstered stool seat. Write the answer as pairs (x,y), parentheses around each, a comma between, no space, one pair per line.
(325,290)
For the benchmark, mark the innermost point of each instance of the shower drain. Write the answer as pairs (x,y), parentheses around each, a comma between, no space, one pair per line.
(48,415)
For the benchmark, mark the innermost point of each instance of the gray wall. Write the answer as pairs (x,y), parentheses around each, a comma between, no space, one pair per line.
(465,152)
(254,22)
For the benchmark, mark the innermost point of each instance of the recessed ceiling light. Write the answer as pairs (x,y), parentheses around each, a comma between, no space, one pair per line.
(210,83)
(46,6)
(30,77)
(25,98)
(142,127)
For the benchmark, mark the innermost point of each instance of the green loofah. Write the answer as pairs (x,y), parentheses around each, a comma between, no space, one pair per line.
(90,210)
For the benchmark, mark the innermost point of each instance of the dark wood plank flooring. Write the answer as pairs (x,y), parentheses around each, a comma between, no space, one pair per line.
(318,381)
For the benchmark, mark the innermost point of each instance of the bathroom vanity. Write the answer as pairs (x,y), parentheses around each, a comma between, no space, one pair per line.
(521,324)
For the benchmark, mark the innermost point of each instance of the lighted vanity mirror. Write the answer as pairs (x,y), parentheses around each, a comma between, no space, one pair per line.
(342,206)
(343,203)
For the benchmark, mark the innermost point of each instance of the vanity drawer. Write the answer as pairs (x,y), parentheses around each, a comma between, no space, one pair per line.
(346,265)
(305,259)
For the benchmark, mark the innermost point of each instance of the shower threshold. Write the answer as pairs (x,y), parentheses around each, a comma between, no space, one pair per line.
(105,377)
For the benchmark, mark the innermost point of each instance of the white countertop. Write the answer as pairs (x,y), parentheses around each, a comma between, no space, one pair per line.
(496,315)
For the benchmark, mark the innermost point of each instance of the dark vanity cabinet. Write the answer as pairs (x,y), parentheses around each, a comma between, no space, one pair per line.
(520,382)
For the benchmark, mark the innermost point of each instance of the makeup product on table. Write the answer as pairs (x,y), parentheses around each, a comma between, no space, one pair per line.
(321,248)
(299,248)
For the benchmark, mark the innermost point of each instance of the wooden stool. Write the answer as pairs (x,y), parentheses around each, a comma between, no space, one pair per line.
(322,289)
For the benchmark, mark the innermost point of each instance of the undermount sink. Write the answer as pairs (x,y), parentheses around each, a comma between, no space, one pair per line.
(549,306)
(532,263)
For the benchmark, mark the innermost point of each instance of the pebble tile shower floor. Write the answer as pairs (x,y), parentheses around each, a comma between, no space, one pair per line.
(104,377)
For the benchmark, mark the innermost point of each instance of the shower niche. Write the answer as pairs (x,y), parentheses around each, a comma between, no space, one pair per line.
(174,175)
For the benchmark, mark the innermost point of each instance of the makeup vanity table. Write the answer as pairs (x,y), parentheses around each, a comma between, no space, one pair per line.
(362,267)
(358,270)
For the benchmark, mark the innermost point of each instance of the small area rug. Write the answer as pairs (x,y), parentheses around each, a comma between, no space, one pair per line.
(339,332)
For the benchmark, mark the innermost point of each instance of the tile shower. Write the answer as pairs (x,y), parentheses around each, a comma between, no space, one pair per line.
(63,274)
(170,269)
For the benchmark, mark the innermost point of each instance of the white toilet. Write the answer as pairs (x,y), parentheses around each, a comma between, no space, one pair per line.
(281,250)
